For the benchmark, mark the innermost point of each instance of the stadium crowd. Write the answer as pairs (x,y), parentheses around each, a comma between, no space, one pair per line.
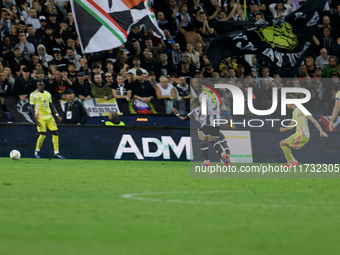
(39,41)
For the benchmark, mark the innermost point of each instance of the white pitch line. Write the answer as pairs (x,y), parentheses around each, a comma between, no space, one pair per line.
(140,197)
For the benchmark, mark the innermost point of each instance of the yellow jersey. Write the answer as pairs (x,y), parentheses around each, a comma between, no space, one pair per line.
(337,97)
(302,128)
(42,104)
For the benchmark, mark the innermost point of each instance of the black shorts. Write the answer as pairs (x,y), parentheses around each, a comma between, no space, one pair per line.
(210,131)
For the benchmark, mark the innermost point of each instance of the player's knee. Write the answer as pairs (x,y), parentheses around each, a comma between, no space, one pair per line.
(283,143)
(54,132)
(43,133)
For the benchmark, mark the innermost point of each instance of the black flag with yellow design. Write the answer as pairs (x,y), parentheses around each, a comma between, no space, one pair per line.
(284,40)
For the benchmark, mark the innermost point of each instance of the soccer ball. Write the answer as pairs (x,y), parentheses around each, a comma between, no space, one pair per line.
(15,154)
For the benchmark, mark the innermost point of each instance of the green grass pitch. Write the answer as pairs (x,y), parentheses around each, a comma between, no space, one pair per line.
(138,207)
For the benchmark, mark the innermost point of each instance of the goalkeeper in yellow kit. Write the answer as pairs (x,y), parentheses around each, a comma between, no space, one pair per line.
(301,136)
(41,106)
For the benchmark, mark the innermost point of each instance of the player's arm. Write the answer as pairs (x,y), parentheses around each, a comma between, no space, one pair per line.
(175,111)
(289,127)
(335,113)
(35,116)
(317,125)
(54,111)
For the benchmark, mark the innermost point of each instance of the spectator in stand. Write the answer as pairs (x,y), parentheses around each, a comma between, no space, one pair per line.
(136,51)
(82,87)
(64,31)
(326,22)
(183,96)
(15,14)
(59,61)
(319,103)
(121,62)
(194,56)
(171,10)
(327,41)
(41,31)
(197,6)
(156,51)
(189,33)
(16,59)
(332,66)
(32,38)
(213,10)
(135,35)
(24,85)
(169,41)
(136,66)
(37,7)
(165,67)
(73,57)
(188,59)
(149,63)
(182,15)
(166,91)
(121,89)
(97,69)
(43,56)
(52,21)
(185,70)
(33,19)
(5,88)
(9,75)
(280,9)
(163,23)
(25,47)
(152,79)
(5,20)
(202,25)
(309,61)
(99,89)
(176,55)
(57,86)
(265,74)
(109,79)
(254,9)
(71,43)
(75,112)
(71,71)
(142,89)
(323,59)
(49,40)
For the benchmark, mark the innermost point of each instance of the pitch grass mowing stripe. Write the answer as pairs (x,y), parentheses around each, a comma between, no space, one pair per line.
(75,207)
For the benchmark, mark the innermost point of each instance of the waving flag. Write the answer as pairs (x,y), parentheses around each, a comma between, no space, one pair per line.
(284,41)
(105,24)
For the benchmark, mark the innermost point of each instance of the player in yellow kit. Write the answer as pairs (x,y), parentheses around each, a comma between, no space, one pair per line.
(301,136)
(41,106)
(336,111)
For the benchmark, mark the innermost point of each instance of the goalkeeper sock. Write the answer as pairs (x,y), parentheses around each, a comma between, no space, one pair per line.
(288,153)
(55,141)
(40,142)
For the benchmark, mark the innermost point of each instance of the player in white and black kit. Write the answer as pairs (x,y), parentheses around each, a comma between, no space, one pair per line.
(208,133)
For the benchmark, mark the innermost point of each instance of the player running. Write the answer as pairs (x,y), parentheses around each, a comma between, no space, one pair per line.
(301,136)
(41,105)
(207,133)
(336,111)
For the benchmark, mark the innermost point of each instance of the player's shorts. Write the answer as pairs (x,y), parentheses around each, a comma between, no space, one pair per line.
(297,141)
(210,131)
(49,123)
